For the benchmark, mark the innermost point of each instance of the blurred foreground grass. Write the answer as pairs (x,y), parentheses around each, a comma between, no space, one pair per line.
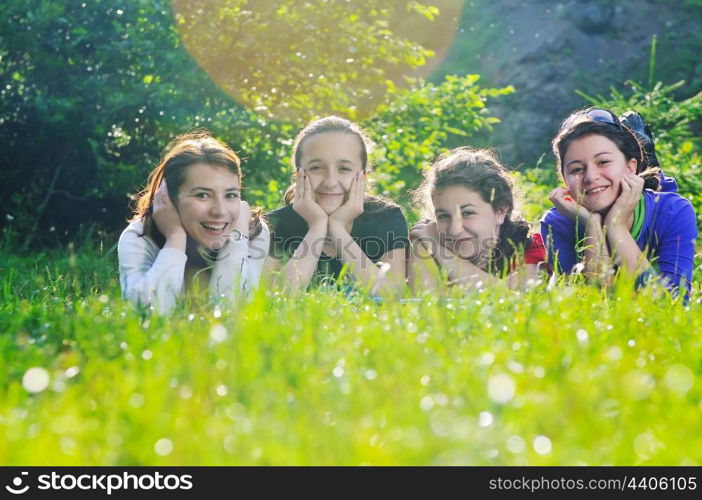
(565,376)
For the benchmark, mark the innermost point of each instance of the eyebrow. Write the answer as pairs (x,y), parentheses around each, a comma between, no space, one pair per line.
(596,155)
(573,161)
(202,188)
(317,160)
(461,207)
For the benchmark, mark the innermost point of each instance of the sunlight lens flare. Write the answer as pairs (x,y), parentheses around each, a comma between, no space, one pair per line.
(293,60)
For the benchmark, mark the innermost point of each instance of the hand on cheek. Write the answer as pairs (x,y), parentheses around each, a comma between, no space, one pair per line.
(305,205)
(352,207)
(425,233)
(165,214)
(566,205)
(623,208)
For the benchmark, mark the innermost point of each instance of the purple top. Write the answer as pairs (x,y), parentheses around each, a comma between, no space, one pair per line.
(669,231)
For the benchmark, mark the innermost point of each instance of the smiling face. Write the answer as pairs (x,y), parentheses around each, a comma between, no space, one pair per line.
(209,202)
(592,169)
(467,224)
(331,160)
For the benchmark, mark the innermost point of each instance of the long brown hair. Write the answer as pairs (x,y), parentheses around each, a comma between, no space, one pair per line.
(185,150)
(478,170)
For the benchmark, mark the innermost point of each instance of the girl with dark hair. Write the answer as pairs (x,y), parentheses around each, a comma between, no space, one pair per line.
(190,227)
(610,214)
(329,221)
(473,233)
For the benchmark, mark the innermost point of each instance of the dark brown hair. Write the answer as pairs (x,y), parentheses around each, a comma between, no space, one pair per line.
(479,170)
(185,150)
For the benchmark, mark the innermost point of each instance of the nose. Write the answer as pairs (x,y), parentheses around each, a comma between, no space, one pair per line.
(591,174)
(217,206)
(455,227)
(331,180)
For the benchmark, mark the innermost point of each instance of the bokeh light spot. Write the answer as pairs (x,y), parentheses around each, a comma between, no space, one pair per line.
(36,379)
(501,388)
(163,447)
(218,333)
(542,445)
(679,378)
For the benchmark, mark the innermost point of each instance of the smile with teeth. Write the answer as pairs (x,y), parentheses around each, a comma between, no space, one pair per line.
(596,190)
(214,227)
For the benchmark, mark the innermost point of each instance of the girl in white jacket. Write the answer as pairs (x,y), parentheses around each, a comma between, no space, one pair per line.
(191,229)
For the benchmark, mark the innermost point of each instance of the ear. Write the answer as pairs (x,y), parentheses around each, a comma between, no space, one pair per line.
(632,165)
(501,214)
(174,200)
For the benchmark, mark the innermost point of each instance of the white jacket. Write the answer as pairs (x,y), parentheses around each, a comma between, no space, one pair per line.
(153,276)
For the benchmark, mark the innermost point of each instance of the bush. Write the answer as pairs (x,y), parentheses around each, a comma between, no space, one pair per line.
(420,123)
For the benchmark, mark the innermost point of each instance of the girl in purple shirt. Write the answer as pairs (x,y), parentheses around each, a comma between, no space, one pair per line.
(610,214)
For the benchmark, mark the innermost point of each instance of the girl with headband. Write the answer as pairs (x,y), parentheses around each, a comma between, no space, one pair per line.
(610,212)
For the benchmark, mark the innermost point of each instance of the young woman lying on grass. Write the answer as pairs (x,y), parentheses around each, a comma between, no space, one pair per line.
(610,213)
(473,235)
(191,229)
(329,221)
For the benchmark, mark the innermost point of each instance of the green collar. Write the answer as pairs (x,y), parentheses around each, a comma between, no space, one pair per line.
(639,216)
(636,227)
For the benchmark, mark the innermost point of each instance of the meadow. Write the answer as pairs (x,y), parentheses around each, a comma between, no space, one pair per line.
(558,375)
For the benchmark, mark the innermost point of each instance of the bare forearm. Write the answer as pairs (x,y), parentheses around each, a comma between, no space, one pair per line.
(422,272)
(625,250)
(471,275)
(521,277)
(177,240)
(462,272)
(363,269)
(298,271)
(596,255)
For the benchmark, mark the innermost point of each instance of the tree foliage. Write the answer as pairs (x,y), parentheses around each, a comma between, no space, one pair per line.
(422,122)
(92,91)
(293,60)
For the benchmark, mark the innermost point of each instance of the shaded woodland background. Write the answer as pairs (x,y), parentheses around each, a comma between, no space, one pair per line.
(92,91)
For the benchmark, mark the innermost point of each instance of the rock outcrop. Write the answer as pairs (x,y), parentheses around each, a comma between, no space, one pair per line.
(547,50)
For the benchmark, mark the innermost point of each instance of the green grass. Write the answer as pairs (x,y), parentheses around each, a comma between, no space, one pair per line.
(327,379)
